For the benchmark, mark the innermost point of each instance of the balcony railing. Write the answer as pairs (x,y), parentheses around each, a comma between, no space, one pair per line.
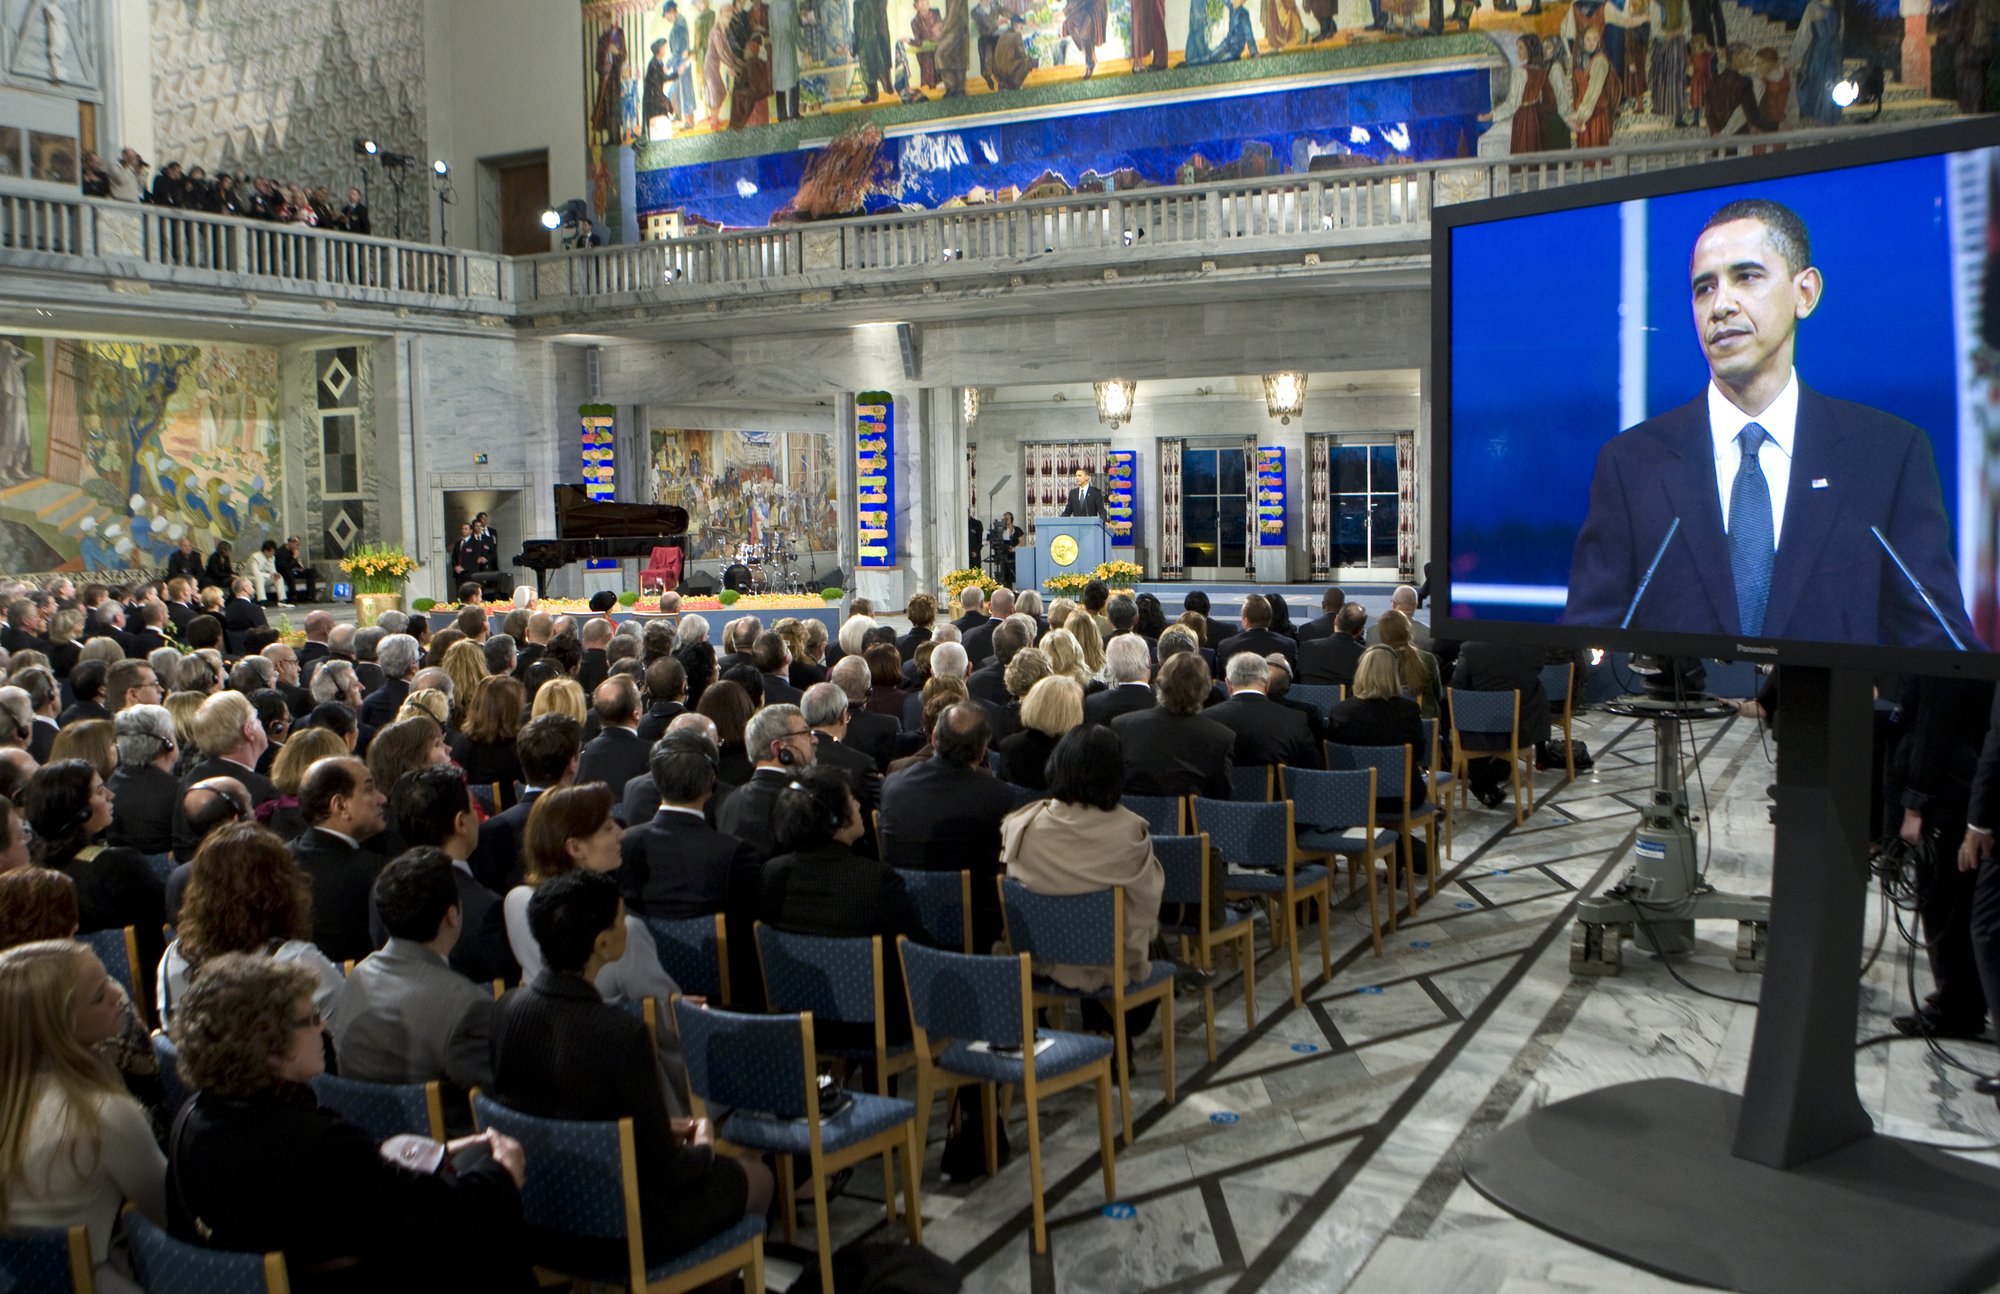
(255,253)
(1371,204)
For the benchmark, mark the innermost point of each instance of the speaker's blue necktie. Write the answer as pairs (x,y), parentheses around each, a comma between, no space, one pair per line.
(1751,532)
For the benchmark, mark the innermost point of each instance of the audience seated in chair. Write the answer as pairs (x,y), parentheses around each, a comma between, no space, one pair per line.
(341,800)
(1173,748)
(944,814)
(68,804)
(434,809)
(1266,732)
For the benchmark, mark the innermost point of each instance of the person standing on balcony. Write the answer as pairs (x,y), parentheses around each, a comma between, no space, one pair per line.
(354,216)
(96,184)
(170,187)
(128,177)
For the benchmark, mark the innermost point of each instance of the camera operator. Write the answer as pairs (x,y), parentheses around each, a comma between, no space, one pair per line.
(1927,781)
(1002,540)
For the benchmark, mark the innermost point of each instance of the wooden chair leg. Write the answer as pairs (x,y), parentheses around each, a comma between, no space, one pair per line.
(1325,955)
(1105,1148)
(1034,1178)
(1410,864)
(788,1199)
(756,1271)
(1208,1015)
(1124,1069)
(913,1170)
(989,1113)
(889,1187)
(1292,947)
(1167,1034)
(823,1225)
(1249,979)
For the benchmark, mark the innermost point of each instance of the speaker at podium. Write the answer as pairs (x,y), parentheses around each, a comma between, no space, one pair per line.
(1063,546)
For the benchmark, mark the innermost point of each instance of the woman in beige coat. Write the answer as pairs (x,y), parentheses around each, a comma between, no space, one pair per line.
(1081,840)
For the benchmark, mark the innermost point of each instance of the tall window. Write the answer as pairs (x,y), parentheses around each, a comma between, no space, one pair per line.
(1214,506)
(1367,506)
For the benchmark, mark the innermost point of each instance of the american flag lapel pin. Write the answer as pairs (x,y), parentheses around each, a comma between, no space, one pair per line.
(1819,483)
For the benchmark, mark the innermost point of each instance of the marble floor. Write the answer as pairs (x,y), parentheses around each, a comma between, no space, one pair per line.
(1321,1150)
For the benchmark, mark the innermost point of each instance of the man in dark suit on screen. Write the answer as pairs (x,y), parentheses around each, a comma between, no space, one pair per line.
(1086,500)
(1779,492)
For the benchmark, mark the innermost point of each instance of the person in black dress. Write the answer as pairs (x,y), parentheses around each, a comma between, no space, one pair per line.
(69,805)
(1378,714)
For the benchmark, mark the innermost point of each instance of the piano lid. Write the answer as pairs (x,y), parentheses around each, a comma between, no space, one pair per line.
(578,516)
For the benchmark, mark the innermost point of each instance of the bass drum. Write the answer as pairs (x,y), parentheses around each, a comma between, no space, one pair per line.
(737,576)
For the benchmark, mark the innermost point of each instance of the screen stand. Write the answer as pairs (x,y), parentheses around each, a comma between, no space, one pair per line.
(1786,1189)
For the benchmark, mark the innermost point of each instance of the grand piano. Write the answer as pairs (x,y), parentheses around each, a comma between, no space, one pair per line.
(587,528)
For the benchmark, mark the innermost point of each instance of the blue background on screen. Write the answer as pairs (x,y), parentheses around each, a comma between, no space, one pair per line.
(1535,345)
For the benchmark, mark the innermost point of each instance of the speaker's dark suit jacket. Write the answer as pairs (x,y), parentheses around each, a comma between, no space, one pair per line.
(1853,467)
(1103,707)
(1084,503)
(1266,732)
(1175,755)
(1329,660)
(614,757)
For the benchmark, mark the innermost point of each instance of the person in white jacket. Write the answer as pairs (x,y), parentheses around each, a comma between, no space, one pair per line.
(265,582)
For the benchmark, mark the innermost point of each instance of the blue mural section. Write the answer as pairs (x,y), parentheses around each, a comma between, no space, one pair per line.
(1421,117)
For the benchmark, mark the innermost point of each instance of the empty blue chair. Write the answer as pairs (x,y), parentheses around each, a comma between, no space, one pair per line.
(119,951)
(169,1057)
(583,1180)
(47,1260)
(1492,714)
(695,951)
(1186,860)
(165,1265)
(1165,815)
(1335,819)
(1089,930)
(942,900)
(384,1110)
(1027,795)
(1558,682)
(984,1008)
(1250,782)
(764,1068)
(1320,696)
(1394,775)
(1260,836)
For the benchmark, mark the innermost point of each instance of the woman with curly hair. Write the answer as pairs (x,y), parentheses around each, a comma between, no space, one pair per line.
(465,663)
(68,805)
(245,894)
(729,707)
(258,1166)
(74,1144)
(484,747)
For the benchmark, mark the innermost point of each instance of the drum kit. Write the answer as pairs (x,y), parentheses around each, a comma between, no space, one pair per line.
(766,568)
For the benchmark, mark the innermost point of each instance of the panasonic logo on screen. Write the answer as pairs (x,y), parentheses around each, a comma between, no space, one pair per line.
(1757,651)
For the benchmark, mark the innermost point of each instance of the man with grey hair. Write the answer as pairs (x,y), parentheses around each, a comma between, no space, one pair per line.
(979,638)
(868,731)
(499,651)
(242,613)
(973,601)
(435,679)
(367,643)
(163,660)
(45,698)
(1009,636)
(948,660)
(1404,599)
(949,633)
(657,638)
(397,655)
(392,622)
(144,789)
(108,621)
(285,665)
(335,680)
(780,742)
(17,728)
(252,674)
(824,706)
(1266,732)
(1126,660)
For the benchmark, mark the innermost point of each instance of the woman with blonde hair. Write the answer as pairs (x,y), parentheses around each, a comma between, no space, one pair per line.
(182,705)
(1066,657)
(65,634)
(1417,667)
(74,1144)
(300,752)
(484,747)
(1059,612)
(427,703)
(1376,713)
(465,665)
(94,741)
(1052,708)
(102,649)
(560,696)
(1089,645)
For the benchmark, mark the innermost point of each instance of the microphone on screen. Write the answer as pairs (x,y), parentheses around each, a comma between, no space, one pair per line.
(1648,577)
(1922,592)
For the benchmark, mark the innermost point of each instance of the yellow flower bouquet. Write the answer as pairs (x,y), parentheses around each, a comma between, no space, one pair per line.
(379,568)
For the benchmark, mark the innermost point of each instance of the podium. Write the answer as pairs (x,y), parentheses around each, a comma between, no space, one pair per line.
(1063,545)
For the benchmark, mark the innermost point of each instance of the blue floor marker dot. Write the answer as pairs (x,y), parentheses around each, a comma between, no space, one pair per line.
(1501,872)
(1372,988)
(1304,1048)
(1223,1116)
(1468,905)
(1420,943)
(1123,1212)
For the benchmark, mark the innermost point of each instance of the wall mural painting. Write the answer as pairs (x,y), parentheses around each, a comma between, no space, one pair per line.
(749,487)
(112,451)
(739,113)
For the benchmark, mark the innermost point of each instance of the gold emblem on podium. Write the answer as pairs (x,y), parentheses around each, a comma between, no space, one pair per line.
(1063,551)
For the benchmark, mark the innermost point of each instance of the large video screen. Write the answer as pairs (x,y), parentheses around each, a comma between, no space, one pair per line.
(1758,403)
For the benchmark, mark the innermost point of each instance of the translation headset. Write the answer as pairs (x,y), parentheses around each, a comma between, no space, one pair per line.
(828,820)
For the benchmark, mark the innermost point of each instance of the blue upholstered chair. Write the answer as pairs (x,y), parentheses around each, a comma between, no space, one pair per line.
(1186,860)
(47,1260)
(763,1067)
(1558,683)
(695,951)
(964,1008)
(384,1110)
(942,900)
(1089,930)
(1251,782)
(841,980)
(1335,819)
(169,1057)
(1320,696)
(1393,776)
(583,1180)
(1165,815)
(1259,836)
(1027,794)
(165,1265)
(119,951)
(1494,714)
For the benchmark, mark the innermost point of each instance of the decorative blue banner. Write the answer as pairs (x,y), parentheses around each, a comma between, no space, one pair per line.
(1270,499)
(1121,474)
(875,479)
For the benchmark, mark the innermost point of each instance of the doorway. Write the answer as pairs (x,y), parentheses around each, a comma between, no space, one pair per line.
(503,514)
(1367,509)
(524,196)
(1215,505)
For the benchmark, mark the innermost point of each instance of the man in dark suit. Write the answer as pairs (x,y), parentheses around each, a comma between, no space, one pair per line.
(434,809)
(779,740)
(1173,749)
(1257,636)
(25,630)
(774,662)
(973,601)
(1330,603)
(1762,508)
(86,684)
(44,697)
(1131,681)
(397,657)
(944,813)
(301,580)
(874,735)
(232,742)
(341,802)
(241,613)
(179,609)
(616,755)
(1266,732)
(186,563)
(1332,659)
(549,749)
(666,688)
(978,640)
(825,708)
(1085,500)
(147,638)
(595,667)
(1500,667)
(989,682)
(108,621)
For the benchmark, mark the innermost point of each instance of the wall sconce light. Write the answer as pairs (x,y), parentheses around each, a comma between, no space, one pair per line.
(1284,396)
(971,405)
(1114,401)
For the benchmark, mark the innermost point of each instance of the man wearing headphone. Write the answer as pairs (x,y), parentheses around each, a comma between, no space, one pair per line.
(781,741)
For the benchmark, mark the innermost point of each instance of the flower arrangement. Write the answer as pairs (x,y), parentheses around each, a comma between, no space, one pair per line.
(1067,586)
(830,595)
(379,568)
(1119,575)
(957,582)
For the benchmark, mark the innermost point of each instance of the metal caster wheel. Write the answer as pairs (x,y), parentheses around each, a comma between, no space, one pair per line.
(1594,949)
(1751,938)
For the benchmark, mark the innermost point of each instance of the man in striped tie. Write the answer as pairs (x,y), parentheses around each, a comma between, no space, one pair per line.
(1761,508)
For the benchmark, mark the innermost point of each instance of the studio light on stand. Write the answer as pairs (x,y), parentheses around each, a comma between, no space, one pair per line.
(363,150)
(441,181)
(1864,86)
(1114,401)
(570,215)
(398,166)
(1284,396)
